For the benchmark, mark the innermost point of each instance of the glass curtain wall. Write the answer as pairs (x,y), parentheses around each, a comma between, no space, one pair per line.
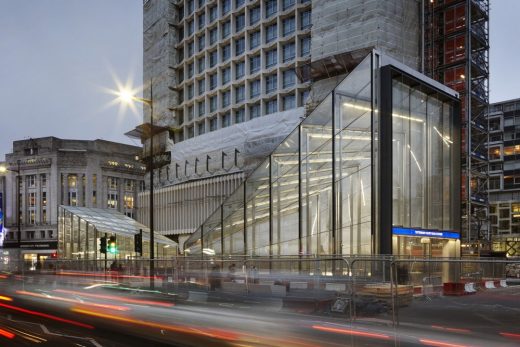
(317,181)
(422,150)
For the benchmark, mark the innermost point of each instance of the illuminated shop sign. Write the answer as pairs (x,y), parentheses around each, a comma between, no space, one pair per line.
(425,233)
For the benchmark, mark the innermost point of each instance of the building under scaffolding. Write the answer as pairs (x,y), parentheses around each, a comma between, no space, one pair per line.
(456,52)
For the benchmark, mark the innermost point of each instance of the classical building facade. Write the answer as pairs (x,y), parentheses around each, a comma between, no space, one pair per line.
(47,172)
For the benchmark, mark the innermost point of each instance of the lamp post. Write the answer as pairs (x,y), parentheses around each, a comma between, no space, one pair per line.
(127,96)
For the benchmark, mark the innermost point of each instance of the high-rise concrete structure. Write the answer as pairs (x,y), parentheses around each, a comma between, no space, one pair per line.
(47,172)
(232,78)
(504,176)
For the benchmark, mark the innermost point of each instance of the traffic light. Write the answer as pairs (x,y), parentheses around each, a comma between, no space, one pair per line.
(103,245)
(112,246)
(138,242)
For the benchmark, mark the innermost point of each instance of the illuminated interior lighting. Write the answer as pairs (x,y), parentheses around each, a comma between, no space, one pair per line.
(362,192)
(413,119)
(414,158)
(446,139)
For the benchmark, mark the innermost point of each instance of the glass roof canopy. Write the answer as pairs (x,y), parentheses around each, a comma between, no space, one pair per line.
(114,222)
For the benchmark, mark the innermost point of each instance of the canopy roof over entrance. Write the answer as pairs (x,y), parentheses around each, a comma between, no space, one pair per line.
(114,222)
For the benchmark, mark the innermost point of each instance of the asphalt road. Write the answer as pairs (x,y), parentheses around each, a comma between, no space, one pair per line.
(80,314)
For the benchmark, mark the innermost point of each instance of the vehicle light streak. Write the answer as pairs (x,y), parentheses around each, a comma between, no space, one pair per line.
(3,276)
(30,337)
(117,298)
(455,330)
(435,343)
(109,275)
(57,298)
(7,334)
(213,333)
(49,316)
(514,336)
(5,298)
(351,332)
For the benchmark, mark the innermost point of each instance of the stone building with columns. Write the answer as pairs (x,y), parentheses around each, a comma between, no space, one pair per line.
(51,172)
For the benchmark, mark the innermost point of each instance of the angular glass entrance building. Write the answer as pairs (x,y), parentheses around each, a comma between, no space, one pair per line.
(374,169)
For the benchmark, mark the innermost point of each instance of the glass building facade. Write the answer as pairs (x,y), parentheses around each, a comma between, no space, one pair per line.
(373,169)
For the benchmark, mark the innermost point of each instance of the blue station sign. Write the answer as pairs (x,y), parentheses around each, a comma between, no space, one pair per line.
(425,233)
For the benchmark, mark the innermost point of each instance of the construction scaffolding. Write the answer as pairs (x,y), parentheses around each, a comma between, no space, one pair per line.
(456,53)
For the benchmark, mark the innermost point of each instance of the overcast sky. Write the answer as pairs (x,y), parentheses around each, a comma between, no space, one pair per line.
(57,57)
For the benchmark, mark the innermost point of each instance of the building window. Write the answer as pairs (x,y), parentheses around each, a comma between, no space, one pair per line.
(201,86)
(240,22)
(271,83)
(201,108)
(73,199)
(200,128)
(304,96)
(50,233)
(254,15)
(32,217)
(270,8)
(271,106)
(201,64)
(213,58)
(288,26)
(305,19)
(128,201)
(42,234)
(240,92)
(289,102)
(305,46)
(201,42)
(44,216)
(226,52)
(191,132)
(239,3)
(44,198)
(239,115)
(240,46)
(190,91)
(289,78)
(112,183)
(43,180)
(213,124)
(191,27)
(226,120)
(226,6)
(190,113)
(202,21)
(254,111)
(271,58)
(287,4)
(112,200)
(254,63)
(212,81)
(240,69)
(288,52)
(255,88)
(29,235)
(254,39)
(31,199)
(226,98)
(190,49)
(190,70)
(213,13)
(213,104)
(226,75)
(271,33)
(226,29)
(213,36)
(129,185)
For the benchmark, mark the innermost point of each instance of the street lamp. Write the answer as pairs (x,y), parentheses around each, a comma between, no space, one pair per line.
(4,169)
(127,96)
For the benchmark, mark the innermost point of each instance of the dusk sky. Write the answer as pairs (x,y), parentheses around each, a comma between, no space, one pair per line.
(58,57)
